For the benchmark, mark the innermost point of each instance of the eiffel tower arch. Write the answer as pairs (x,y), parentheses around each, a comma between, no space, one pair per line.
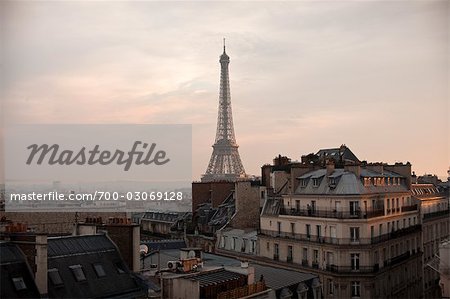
(225,163)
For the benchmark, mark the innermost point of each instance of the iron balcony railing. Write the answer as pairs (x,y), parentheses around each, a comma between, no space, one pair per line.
(355,270)
(323,213)
(409,208)
(342,241)
(436,214)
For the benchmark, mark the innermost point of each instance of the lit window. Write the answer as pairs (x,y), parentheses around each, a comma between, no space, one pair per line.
(78,272)
(19,284)
(54,276)
(99,270)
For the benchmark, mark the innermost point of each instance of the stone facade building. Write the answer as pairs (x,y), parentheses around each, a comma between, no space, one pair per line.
(353,224)
(434,212)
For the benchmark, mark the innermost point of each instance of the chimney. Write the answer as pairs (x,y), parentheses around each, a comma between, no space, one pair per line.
(356,169)
(41,264)
(330,166)
(126,235)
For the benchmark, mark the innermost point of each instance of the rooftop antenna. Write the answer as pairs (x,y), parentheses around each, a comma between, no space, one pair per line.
(224,45)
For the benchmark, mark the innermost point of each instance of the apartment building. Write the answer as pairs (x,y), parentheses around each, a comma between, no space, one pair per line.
(353,224)
(434,212)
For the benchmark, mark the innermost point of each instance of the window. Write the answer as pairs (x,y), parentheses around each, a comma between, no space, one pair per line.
(316,257)
(354,234)
(292,227)
(354,208)
(267,245)
(305,254)
(78,273)
(381,229)
(19,283)
(253,246)
(279,227)
(318,230)
(243,246)
(55,278)
(276,250)
(354,257)
(356,288)
(297,205)
(372,231)
(388,205)
(99,270)
(308,231)
(303,182)
(330,258)
(315,182)
(332,182)
(233,243)
(290,254)
(404,223)
(330,287)
(222,242)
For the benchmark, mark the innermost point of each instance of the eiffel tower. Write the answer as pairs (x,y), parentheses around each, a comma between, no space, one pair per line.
(225,163)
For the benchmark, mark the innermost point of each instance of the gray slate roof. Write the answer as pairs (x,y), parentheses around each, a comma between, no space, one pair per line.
(347,183)
(86,252)
(13,266)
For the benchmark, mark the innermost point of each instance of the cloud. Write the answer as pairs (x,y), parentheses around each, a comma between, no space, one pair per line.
(304,75)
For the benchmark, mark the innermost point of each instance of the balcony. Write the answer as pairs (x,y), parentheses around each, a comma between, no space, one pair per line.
(409,208)
(315,265)
(305,263)
(342,241)
(436,214)
(349,269)
(397,259)
(347,214)
(289,259)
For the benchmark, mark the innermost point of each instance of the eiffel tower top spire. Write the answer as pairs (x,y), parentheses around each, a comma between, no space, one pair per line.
(225,163)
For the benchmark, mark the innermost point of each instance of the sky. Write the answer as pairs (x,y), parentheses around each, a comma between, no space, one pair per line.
(373,75)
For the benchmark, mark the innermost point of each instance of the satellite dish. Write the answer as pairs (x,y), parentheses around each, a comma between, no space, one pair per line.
(191,254)
(143,249)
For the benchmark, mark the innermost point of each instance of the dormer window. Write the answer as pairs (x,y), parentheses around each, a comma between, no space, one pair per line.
(303,183)
(315,182)
(332,182)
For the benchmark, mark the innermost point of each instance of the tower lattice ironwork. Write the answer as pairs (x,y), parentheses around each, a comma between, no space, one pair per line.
(225,163)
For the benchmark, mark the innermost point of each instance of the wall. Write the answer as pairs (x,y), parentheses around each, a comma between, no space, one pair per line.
(202,192)
(247,201)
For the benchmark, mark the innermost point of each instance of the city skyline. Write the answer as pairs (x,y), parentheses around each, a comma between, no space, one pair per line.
(304,76)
